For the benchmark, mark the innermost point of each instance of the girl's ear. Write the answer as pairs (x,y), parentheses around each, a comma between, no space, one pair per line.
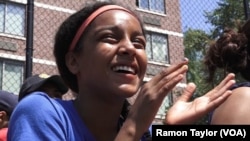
(2,114)
(71,62)
(3,118)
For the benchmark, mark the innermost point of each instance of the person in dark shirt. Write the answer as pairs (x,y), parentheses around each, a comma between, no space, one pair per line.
(52,85)
(230,53)
(8,102)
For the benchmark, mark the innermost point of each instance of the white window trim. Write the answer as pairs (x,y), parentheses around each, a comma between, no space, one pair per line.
(13,36)
(20,1)
(163,31)
(54,8)
(151,12)
(22,58)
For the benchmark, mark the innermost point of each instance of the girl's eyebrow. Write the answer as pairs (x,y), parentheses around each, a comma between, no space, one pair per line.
(106,27)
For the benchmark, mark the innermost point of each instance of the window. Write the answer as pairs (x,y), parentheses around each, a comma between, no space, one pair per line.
(11,73)
(161,113)
(157,48)
(12,18)
(152,5)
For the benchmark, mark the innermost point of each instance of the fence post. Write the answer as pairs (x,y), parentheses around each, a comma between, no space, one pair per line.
(29,38)
(246,9)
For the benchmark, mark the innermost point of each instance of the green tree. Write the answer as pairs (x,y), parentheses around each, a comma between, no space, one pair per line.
(195,42)
(228,14)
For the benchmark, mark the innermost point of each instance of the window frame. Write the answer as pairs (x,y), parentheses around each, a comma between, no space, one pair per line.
(21,30)
(150,47)
(3,74)
(149,5)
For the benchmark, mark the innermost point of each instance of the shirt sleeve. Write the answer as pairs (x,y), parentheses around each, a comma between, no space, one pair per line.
(36,118)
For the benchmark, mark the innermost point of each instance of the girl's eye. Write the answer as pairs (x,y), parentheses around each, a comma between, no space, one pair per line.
(139,43)
(109,38)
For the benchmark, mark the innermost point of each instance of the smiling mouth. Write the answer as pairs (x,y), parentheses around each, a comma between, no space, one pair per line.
(124,69)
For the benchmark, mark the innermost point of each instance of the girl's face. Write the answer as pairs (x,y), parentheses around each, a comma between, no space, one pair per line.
(113,59)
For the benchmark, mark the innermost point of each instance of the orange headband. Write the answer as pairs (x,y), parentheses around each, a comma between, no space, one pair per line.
(91,18)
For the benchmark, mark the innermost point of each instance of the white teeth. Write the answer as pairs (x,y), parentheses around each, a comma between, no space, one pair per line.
(124,68)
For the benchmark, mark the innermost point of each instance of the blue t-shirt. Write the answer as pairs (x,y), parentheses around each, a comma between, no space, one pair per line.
(41,118)
(38,117)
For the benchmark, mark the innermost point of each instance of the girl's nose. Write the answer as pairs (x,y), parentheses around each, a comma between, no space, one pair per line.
(127,48)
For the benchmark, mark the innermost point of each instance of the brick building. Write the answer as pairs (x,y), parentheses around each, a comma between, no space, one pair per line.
(161,17)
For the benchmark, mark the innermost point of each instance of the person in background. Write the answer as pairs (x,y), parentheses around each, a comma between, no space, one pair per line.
(231,54)
(8,102)
(100,54)
(52,85)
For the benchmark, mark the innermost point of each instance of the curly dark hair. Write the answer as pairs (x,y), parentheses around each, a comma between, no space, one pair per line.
(230,52)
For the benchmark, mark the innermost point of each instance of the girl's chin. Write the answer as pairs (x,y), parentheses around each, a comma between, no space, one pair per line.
(129,92)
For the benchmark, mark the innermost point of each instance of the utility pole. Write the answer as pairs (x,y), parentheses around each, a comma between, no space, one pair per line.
(29,38)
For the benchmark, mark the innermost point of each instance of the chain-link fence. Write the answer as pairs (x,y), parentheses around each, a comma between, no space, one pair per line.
(27,29)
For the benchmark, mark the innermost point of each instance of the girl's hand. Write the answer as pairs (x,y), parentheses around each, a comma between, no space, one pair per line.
(149,100)
(185,112)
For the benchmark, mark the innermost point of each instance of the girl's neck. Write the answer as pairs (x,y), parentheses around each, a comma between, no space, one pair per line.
(101,117)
